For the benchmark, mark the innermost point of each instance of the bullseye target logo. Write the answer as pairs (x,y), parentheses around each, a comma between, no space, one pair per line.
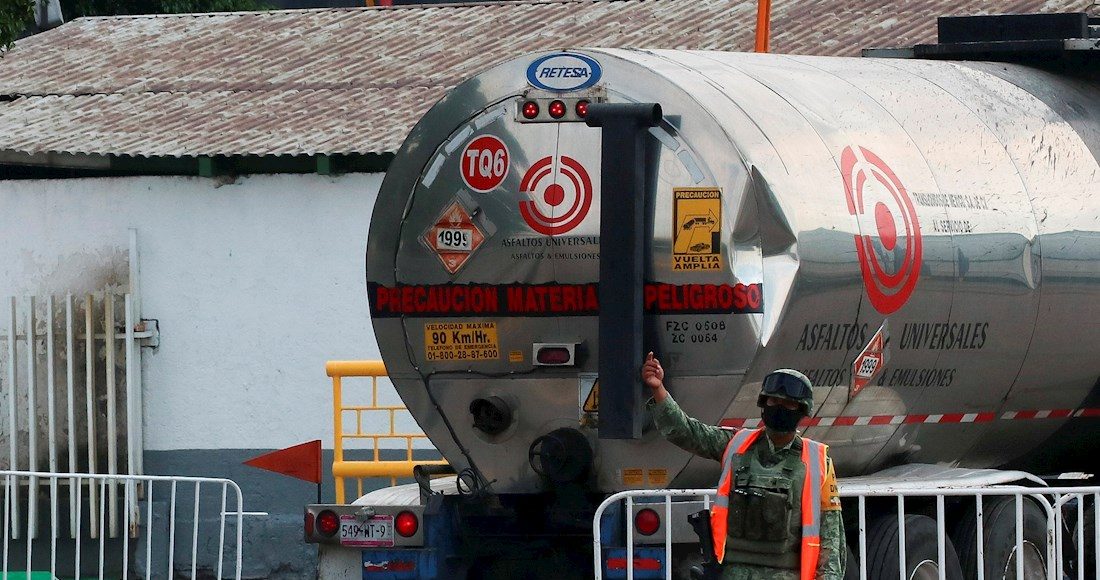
(560,195)
(890,262)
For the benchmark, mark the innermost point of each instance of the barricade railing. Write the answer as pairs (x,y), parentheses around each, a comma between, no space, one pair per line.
(1069,549)
(71,385)
(154,548)
(377,466)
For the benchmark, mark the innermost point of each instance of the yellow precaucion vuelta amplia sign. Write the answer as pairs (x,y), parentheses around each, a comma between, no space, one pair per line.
(696,228)
(461,341)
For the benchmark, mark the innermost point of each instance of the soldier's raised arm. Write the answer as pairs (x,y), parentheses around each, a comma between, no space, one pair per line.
(682,431)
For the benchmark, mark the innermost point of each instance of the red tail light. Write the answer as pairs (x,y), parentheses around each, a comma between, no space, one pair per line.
(646,522)
(582,109)
(328,523)
(530,110)
(406,524)
(553,355)
(556,109)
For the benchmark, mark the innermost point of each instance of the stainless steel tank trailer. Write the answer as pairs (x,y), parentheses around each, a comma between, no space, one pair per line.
(553,218)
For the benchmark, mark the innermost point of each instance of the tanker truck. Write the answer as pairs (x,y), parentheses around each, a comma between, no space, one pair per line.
(555,217)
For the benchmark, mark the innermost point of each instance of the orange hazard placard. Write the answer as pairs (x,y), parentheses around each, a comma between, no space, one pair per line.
(454,237)
(870,361)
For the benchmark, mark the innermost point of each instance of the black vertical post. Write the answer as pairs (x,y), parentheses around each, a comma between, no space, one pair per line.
(622,245)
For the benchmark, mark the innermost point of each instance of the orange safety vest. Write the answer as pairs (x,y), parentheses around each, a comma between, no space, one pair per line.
(813,457)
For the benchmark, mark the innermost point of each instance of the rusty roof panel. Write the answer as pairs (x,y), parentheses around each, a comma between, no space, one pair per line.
(290,122)
(336,81)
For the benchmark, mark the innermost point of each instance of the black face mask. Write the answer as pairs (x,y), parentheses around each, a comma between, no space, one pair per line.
(781,420)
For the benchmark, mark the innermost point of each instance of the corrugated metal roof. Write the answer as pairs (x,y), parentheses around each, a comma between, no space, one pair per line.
(338,81)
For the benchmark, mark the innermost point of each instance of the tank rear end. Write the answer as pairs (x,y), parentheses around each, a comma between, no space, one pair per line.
(483,271)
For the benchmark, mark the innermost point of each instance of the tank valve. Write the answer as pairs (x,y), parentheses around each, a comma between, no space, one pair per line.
(491,415)
(562,455)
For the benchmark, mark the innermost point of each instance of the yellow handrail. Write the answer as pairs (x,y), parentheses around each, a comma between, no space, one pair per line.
(377,467)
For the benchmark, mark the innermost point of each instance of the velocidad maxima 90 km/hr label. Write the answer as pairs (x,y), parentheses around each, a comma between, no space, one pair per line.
(461,341)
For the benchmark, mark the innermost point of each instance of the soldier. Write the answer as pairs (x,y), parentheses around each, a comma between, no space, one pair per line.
(777,516)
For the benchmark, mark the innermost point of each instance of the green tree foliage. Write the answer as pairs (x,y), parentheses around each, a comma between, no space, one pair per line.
(15,15)
(76,8)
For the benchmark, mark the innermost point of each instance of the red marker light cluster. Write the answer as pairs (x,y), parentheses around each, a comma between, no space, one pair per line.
(553,355)
(647,522)
(556,109)
(406,524)
(530,110)
(328,523)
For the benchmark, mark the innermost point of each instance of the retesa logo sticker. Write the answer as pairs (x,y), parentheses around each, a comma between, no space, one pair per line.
(890,272)
(564,72)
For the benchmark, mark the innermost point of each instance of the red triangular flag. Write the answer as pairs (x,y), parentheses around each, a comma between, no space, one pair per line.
(302,461)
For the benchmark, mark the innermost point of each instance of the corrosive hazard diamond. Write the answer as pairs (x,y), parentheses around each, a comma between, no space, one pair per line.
(454,237)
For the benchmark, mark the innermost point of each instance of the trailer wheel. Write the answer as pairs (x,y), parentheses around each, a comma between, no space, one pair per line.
(921,550)
(999,533)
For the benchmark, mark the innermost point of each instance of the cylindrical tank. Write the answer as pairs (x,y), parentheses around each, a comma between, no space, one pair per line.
(797,203)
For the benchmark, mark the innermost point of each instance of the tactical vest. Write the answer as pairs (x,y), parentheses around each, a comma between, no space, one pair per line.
(755,506)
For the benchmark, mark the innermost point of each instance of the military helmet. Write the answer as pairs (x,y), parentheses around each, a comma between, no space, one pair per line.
(788,384)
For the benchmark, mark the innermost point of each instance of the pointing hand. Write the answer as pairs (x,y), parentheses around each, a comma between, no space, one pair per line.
(653,376)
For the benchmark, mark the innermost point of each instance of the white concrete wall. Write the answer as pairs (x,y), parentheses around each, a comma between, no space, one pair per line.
(256,283)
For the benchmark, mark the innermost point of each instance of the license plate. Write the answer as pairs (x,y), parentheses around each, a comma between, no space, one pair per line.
(377,532)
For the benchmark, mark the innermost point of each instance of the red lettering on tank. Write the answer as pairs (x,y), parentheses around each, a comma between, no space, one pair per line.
(515,299)
(725,297)
(381,298)
(703,298)
(557,299)
(710,296)
(649,296)
(568,298)
(756,297)
(592,300)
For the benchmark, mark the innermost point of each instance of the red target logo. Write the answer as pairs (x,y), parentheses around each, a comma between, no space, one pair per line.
(891,261)
(560,195)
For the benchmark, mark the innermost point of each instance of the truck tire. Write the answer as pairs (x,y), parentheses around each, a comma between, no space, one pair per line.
(921,559)
(999,533)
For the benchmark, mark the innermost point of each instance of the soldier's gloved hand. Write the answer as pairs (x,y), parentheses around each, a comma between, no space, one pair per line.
(653,376)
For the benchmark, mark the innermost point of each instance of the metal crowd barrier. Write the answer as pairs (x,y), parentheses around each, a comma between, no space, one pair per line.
(376,467)
(1062,543)
(180,497)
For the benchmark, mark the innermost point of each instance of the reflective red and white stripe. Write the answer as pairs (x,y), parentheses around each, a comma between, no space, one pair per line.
(860,421)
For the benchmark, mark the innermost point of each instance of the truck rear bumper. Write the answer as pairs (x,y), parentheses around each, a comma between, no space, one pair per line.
(338,562)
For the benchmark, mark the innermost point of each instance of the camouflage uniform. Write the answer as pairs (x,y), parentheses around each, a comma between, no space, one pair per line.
(710,442)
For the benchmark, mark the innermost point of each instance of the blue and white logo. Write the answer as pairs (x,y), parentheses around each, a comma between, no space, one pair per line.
(564,72)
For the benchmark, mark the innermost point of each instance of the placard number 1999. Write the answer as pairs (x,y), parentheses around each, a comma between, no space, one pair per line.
(452,240)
